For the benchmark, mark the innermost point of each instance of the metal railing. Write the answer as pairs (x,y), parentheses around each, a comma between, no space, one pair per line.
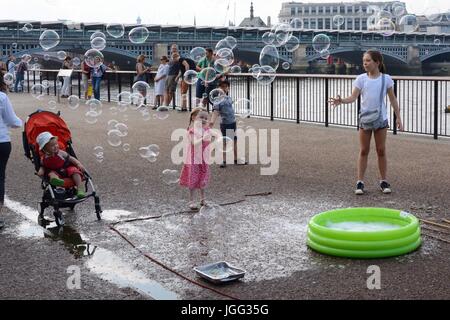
(424,101)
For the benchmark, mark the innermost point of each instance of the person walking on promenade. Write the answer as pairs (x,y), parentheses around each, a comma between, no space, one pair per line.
(86,78)
(20,75)
(203,88)
(172,78)
(160,82)
(195,172)
(141,70)
(373,87)
(9,119)
(65,90)
(97,74)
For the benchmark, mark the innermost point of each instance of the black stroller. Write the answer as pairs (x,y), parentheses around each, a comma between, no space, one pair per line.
(56,197)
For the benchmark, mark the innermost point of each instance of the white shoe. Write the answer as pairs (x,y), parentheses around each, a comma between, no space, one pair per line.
(193,206)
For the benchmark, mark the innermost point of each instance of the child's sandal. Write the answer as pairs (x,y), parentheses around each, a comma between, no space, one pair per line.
(193,205)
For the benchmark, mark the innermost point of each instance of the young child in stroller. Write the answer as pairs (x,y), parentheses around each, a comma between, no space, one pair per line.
(57,164)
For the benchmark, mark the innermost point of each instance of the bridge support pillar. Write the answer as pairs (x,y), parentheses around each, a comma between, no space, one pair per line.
(159,50)
(299,60)
(414,65)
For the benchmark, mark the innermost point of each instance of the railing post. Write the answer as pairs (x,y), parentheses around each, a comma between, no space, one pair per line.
(436,109)
(248,87)
(79,84)
(119,80)
(28,82)
(327,113)
(190,98)
(48,81)
(395,116)
(55,82)
(271,101)
(298,100)
(108,81)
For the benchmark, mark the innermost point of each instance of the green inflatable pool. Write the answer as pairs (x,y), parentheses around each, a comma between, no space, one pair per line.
(364,233)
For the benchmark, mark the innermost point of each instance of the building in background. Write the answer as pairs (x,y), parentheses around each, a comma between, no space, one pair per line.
(252,21)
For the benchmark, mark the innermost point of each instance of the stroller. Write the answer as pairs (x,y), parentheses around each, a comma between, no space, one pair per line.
(56,197)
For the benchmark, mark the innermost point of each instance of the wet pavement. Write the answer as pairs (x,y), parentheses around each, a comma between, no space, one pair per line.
(263,234)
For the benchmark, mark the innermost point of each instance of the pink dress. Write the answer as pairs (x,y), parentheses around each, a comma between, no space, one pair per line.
(195,172)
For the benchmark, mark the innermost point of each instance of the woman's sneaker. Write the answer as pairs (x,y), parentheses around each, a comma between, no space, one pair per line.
(385,187)
(359,188)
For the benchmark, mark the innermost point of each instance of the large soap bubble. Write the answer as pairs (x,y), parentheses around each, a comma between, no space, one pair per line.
(269,56)
(386,27)
(198,53)
(138,35)
(98,34)
(98,43)
(408,23)
(207,75)
(297,24)
(338,20)
(232,42)
(292,44)
(268,37)
(190,77)
(49,39)
(321,42)
(266,76)
(93,58)
(227,55)
(115,30)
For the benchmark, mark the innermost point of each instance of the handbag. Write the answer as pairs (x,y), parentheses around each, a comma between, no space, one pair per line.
(370,119)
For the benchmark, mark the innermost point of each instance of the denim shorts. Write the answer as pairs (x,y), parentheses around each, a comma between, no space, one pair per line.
(229,130)
(384,125)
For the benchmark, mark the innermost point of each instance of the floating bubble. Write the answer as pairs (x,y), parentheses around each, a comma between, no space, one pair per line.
(255,70)
(171,176)
(232,42)
(122,128)
(207,75)
(76,61)
(97,34)
(321,42)
(235,69)
(227,55)
(49,39)
(98,150)
(146,115)
(91,117)
(286,65)
(216,96)
(93,58)
(126,147)
(113,111)
(386,27)
(36,59)
(162,113)
(138,35)
(14,45)
(398,10)
(324,54)
(190,77)
(46,57)
(292,44)
(297,24)
(100,159)
(74,102)
(52,104)
(152,159)
(95,106)
(198,53)
(112,124)
(27,27)
(141,87)
(384,14)
(266,76)
(433,14)
(136,182)
(149,151)
(338,20)
(37,91)
(115,30)
(282,33)
(409,23)
(114,138)
(437,42)
(268,37)
(225,144)
(220,65)
(124,99)
(137,100)
(222,44)
(242,107)
(45,84)
(8,78)
(26,58)
(98,43)
(269,56)
(373,9)
(61,55)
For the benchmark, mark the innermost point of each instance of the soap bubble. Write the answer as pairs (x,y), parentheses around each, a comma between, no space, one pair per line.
(61,55)
(171,176)
(321,42)
(227,55)
(384,14)
(124,99)
(198,53)
(207,75)
(136,182)
(282,33)
(229,147)
(232,42)
(46,57)
(408,23)
(115,30)
(190,77)
(8,78)
(268,37)
(338,20)
(93,58)
(98,43)
(324,54)
(292,44)
(286,65)
(126,147)
(137,100)
(242,107)
(269,56)
(114,138)
(52,104)
(37,91)
(266,76)
(49,39)
(26,58)
(112,124)
(27,27)
(220,65)
(95,106)
(138,35)
(433,15)
(437,42)
(297,24)
(162,113)
(216,96)
(45,84)
(122,128)
(76,61)
(222,44)
(141,87)
(235,69)
(91,117)
(97,34)
(255,70)
(14,45)
(149,151)
(74,102)
(98,151)
(386,27)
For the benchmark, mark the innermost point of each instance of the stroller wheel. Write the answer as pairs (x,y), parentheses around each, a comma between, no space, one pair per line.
(72,207)
(59,218)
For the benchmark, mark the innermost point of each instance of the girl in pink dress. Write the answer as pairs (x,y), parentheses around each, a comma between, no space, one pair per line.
(195,172)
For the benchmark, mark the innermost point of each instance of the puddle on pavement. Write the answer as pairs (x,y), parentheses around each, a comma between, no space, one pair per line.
(105,264)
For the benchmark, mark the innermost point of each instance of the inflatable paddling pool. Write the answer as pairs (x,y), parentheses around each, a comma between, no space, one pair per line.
(364,233)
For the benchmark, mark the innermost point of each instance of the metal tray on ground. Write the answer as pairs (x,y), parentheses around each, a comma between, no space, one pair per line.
(220,272)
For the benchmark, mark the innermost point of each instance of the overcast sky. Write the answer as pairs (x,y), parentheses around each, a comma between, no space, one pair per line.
(174,12)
